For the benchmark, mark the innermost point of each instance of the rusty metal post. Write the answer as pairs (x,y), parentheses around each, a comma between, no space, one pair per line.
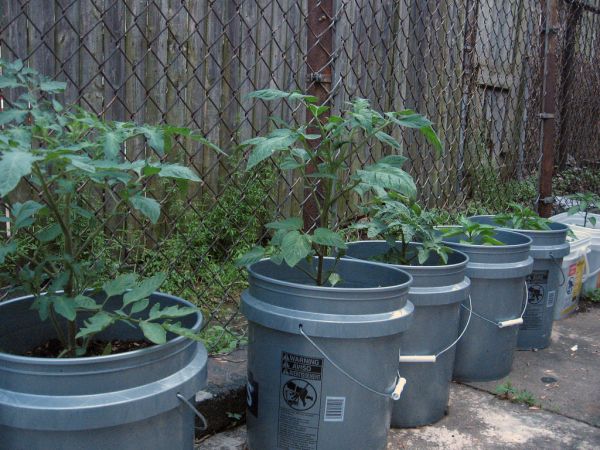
(550,24)
(319,70)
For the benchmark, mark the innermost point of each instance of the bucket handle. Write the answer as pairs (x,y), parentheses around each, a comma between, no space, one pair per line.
(433,358)
(398,384)
(198,414)
(506,323)
(562,274)
(587,266)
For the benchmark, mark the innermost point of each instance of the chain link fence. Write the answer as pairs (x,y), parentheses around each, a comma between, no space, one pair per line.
(476,68)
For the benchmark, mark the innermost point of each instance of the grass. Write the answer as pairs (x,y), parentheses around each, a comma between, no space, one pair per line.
(507,391)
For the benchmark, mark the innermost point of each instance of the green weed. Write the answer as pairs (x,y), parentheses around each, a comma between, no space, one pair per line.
(508,392)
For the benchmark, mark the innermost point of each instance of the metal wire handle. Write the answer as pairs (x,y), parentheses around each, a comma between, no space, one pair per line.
(398,384)
(198,414)
(505,323)
(564,279)
(433,358)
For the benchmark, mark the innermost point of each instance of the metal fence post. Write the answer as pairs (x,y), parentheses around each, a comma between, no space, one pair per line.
(319,51)
(550,24)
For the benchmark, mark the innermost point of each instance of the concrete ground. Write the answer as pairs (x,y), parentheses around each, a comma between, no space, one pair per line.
(564,381)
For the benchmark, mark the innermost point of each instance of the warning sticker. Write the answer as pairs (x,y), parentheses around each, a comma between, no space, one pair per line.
(537,291)
(299,401)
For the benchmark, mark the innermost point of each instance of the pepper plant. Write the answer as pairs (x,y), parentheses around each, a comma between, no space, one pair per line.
(585,202)
(471,232)
(339,137)
(71,157)
(399,221)
(522,218)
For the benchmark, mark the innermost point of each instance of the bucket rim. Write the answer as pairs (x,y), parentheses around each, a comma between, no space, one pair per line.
(341,290)
(468,245)
(457,265)
(556,227)
(101,359)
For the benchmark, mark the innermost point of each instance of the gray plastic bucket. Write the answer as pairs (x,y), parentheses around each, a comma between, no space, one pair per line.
(498,294)
(427,358)
(548,248)
(323,361)
(134,400)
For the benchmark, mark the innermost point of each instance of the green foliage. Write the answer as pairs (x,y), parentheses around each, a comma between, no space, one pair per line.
(471,232)
(404,221)
(339,138)
(493,194)
(585,202)
(576,179)
(593,296)
(219,340)
(68,155)
(507,391)
(522,218)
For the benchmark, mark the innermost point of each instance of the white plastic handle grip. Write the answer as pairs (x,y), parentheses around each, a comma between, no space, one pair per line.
(399,388)
(510,323)
(417,358)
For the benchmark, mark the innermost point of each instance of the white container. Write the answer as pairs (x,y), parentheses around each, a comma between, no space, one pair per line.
(592,273)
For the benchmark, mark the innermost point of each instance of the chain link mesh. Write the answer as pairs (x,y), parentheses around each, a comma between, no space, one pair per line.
(474,67)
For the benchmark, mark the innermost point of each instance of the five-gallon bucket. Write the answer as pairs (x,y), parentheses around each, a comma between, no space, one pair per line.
(427,358)
(323,361)
(127,401)
(498,297)
(548,248)
(574,267)
(576,222)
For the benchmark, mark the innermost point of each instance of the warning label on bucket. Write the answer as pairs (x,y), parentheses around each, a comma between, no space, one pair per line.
(299,401)
(537,287)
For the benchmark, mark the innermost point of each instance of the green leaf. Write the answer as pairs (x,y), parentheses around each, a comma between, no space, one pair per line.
(9,82)
(50,233)
(23,213)
(13,166)
(156,138)
(112,141)
(323,236)
(178,172)
(154,332)
(6,250)
(277,140)
(275,94)
(334,279)
(393,160)
(254,255)
(65,307)
(10,115)
(119,285)
(42,305)
(140,305)
(147,206)
(292,223)
(181,331)
(144,289)
(387,139)
(385,176)
(95,324)
(85,302)
(290,163)
(171,312)
(592,220)
(295,247)
(53,86)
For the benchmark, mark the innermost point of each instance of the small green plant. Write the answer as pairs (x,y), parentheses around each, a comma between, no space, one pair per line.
(219,340)
(593,296)
(472,232)
(585,202)
(402,221)
(339,138)
(68,155)
(522,218)
(508,392)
